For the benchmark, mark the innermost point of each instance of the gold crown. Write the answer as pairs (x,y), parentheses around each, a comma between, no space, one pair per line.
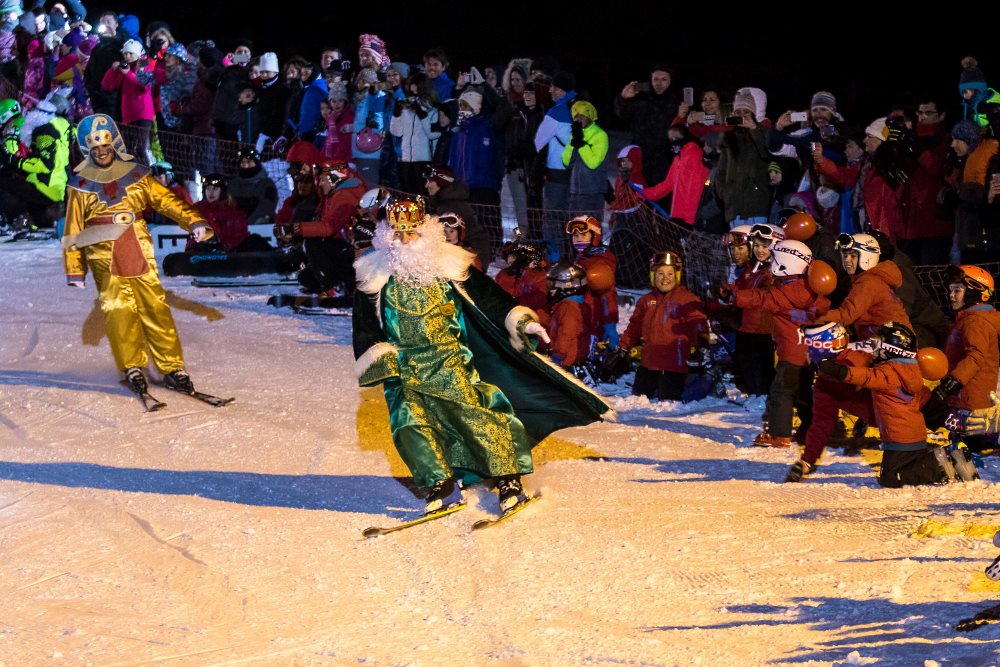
(406,215)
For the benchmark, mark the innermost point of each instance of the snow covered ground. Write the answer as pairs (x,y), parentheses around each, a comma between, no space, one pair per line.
(204,536)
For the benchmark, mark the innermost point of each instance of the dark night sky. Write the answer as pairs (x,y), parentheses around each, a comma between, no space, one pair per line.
(868,57)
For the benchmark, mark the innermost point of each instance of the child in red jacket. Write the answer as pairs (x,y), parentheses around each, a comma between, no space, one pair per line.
(588,252)
(750,252)
(668,322)
(570,313)
(895,383)
(791,304)
(525,277)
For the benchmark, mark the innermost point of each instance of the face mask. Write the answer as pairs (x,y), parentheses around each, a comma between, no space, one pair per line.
(580,247)
(464,116)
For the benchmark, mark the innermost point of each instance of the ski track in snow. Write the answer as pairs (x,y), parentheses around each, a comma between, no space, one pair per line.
(211,536)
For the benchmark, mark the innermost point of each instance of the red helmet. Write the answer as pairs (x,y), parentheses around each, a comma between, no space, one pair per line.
(585,223)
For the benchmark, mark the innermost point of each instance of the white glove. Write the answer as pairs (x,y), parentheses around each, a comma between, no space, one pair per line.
(76,283)
(536,329)
(984,420)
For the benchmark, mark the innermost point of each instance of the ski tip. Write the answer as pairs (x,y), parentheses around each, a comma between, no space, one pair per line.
(374,531)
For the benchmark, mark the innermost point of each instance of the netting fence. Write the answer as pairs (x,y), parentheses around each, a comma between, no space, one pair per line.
(634,234)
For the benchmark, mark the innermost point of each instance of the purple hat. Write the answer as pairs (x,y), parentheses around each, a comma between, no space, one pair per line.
(74,38)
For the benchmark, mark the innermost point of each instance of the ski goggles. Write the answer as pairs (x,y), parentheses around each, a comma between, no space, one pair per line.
(432,172)
(735,239)
(452,221)
(581,225)
(215,180)
(767,232)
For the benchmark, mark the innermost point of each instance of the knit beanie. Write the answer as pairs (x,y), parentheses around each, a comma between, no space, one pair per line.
(73,38)
(824,100)
(367,75)
(474,99)
(972,77)
(268,62)
(759,99)
(775,167)
(338,91)
(745,101)
(967,131)
(401,67)
(371,44)
(585,108)
(878,129)
(565,81)
(133,46)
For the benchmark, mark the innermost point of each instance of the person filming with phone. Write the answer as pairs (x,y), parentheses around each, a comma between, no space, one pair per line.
(742,182)
(798,130)
(649,107)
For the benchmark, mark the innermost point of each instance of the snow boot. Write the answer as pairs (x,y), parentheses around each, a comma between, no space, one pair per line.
(444,494)
(178,380)
(964,467)
(941,454)
(767,440)
(511,492)
(136,380)
(799,470)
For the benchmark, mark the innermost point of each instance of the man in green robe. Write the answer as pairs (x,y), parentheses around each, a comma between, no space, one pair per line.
(467,396)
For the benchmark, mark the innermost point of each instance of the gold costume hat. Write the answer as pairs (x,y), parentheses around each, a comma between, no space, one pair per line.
(406,215)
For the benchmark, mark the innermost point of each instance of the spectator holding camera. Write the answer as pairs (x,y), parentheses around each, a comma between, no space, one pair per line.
(369,118)
(226,112)
(742,182)
(818,125)
(713,114)
(686,178)
(339,115)
(136,97)
(650,109)
(414,122)
(584,157)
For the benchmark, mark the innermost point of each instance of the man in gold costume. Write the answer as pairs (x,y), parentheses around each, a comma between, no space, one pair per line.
(105,233)
(467,396)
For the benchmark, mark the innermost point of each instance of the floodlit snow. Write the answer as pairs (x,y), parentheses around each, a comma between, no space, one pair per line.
(205,536)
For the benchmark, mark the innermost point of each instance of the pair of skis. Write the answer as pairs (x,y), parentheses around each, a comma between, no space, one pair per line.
(482,524)
(152,404)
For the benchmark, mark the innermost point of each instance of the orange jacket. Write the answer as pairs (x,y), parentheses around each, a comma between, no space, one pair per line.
(531,288)
(667,325)
(792,304)
(336,210)
(895,386)
(569,331)
(871,301)
(973,356)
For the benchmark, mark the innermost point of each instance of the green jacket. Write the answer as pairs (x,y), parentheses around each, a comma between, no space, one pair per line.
(47,166)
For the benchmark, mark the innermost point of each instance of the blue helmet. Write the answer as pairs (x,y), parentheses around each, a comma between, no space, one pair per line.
(824,341)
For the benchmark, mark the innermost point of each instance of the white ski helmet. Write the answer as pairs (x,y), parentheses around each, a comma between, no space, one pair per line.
(790,258)
(865,245)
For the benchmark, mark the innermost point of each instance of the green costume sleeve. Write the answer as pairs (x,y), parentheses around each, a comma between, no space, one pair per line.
(376,360)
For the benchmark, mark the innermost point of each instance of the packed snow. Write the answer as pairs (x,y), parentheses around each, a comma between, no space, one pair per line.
(223,536)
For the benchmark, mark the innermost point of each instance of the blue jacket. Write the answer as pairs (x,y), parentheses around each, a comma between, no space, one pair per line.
(556,130)
(310,117)
(443,86)
(471,154)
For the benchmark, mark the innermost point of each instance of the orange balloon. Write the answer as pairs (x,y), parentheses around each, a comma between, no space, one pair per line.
(600,277)
(933,364)
(822,278)
(800,227)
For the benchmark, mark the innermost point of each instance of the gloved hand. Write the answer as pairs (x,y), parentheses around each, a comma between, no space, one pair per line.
(984,420)
(576,140)
(611,334)
(833,369)
(946,387)
(724,293)
(536,329)
(897,126)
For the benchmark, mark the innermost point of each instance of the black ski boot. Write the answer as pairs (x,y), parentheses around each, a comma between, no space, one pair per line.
(444,494)
(178,380)
(136,380)
(799,470)
(511,492)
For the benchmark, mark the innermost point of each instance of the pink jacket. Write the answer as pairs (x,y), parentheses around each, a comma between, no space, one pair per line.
(137,99)
(686,180)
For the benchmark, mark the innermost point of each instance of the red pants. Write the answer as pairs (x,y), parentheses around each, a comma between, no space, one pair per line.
(830,396)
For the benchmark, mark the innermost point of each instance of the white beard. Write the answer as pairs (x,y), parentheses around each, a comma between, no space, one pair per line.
(419,262)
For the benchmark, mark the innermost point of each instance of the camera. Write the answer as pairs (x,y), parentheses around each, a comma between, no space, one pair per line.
(734,120)
(642,87)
